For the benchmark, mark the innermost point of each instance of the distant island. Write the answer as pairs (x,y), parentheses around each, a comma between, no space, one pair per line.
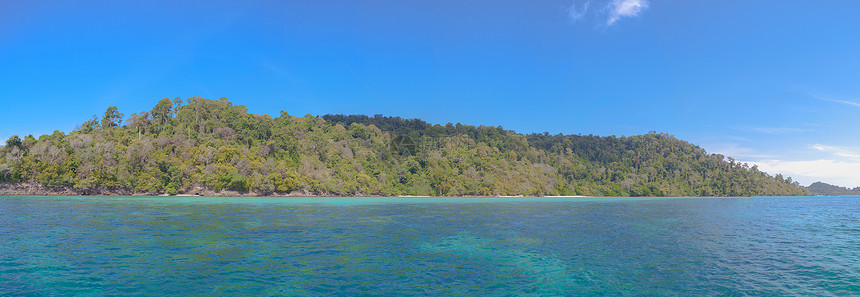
(213,147)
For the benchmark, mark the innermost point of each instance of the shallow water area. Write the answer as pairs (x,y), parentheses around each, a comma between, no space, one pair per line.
(429,246)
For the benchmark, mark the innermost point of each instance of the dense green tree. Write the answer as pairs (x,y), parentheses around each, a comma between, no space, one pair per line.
(177,104)
(112,118)
(162,112)
(216,145)
(820,188)
(89,126)
(13,141)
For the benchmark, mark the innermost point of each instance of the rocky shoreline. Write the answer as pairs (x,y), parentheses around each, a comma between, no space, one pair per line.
(34,189)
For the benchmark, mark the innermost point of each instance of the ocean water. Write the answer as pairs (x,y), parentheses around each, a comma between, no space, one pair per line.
(149,246)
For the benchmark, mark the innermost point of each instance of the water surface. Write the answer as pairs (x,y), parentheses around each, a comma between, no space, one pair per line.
(429,246)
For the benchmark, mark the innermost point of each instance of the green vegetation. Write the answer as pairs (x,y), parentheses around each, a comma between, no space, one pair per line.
(820,188)
(216,145)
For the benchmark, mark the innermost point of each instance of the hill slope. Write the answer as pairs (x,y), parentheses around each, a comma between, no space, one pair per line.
(215,145)
(820,188)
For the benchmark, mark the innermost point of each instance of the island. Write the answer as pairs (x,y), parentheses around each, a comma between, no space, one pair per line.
(214,147)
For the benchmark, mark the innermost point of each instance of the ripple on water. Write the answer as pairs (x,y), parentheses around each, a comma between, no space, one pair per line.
(429,246)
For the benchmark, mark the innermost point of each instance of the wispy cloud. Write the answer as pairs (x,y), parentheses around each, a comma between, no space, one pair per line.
(838,166)
(577,14)
(838,151)
(852,103)
(625,8)
(772,130)
(736,151)
(778,130)
(841,173)
(604,12)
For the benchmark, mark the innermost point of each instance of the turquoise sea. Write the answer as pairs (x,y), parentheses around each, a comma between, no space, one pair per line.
(179,246)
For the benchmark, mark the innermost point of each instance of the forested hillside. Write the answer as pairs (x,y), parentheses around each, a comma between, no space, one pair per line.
(213,145)
(820,188)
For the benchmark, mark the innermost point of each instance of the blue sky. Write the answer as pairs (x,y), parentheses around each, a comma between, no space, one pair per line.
(775,83)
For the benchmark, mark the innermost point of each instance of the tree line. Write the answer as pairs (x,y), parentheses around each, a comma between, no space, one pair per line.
(184,146)
(820,188)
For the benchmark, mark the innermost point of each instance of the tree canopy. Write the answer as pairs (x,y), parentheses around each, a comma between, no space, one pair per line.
(216,145)
(112,117)
(820,188)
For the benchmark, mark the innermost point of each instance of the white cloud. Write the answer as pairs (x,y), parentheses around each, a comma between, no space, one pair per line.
(778,130)
(736,151)
(577,14)
(838,151)
(625,8)
(840,173)
(834,165)
(609,11)
(852,103)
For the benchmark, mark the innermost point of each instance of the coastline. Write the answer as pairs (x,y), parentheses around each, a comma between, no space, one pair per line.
(34,189)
